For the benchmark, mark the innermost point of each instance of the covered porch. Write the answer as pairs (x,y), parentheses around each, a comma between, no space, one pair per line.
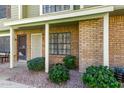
(63,40)
(61,19)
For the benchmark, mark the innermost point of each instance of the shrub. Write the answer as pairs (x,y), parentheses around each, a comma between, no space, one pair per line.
(70,61)
(36,64)
(58,73)
(100,77)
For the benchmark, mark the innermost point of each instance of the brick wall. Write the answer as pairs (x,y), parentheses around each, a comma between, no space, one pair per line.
(116,41)
(90,43)
(73,28)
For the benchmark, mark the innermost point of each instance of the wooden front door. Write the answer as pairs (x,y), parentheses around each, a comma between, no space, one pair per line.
(22,46)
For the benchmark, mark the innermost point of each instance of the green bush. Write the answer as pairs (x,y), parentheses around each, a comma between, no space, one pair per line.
(36,64)
(100,77)
(58,73)
(70,61)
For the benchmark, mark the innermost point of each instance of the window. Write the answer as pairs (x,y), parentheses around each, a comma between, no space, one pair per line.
(76,7)
(5,11)
(46,9)
(4,44)
(52,8)
(60,43)
(55,8)
(66,7)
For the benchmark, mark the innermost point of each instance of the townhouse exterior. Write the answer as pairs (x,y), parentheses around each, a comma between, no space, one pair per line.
(94,34)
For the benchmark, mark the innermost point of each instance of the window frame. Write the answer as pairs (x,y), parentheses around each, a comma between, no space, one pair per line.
(58,43)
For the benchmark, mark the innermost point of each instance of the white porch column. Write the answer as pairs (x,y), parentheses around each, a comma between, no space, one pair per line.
(106,40)
(12,47)
(47,48)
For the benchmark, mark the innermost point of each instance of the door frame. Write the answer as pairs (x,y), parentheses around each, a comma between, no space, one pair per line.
(17,48)
(34,34)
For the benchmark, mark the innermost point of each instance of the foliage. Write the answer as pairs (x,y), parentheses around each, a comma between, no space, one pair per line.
(36,64)
(58,73)
(70,61)
(100,77)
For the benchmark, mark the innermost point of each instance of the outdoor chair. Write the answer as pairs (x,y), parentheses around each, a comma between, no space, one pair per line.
(4,57)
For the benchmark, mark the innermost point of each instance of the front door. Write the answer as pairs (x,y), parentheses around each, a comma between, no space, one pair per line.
(21,39)
(36,45)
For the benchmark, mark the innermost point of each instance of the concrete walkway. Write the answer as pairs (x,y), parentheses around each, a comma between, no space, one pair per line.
(10,84)
(4,83)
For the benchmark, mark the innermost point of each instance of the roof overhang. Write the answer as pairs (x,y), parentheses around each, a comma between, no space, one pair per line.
(62,15)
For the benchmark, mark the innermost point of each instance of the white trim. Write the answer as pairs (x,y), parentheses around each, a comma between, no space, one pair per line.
(81,6)
(47,48)
(66,14)
(71,7)
(31,41)
(2,35)
(106,40)
(41,10)
(20,11)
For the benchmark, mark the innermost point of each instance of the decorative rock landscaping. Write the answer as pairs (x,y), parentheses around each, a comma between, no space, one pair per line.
(40,79)
(22,75)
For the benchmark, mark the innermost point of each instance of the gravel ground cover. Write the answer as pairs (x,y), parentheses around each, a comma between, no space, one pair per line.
(22,75)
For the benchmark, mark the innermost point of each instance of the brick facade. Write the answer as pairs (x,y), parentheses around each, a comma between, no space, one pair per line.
(73,28)
(116,41)
(90,43)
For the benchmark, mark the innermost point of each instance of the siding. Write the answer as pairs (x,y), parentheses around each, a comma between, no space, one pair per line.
(14,16)
(33,10)
(14,12)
